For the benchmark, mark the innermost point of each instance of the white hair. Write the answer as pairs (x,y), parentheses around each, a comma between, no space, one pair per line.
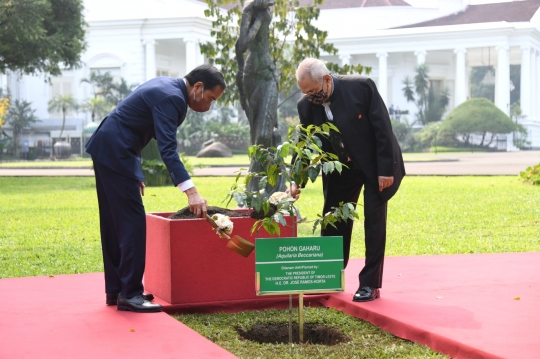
(313,68)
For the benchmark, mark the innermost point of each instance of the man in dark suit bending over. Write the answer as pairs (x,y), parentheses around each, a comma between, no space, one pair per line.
(367,146)
(154,110)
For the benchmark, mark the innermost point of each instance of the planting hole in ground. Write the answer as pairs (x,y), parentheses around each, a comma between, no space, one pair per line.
(278,333)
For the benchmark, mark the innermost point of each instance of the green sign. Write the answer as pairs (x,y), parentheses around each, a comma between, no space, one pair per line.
(299,265)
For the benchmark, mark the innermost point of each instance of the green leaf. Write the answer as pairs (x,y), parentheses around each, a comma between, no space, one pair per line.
(256,202)
(317,141)
(263,182)
(256,226)
(279,218)
(315,225)
(326,167)
(284,151)
(332,155)
(329,222)
(271,227)
(313,173)
(345,212)
(247,179)
(338,166)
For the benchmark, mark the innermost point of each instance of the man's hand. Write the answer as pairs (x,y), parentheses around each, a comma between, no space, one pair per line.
(197,204)
(385,182)
(141,186)
(294,191)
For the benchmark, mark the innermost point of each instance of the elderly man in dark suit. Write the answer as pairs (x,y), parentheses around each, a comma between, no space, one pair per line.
(367,145)
(154,110)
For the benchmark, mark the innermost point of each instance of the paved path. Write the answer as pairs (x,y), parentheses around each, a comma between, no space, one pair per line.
(487,163)
(490,163)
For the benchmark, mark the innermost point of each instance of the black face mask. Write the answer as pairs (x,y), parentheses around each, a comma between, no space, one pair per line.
(318,97)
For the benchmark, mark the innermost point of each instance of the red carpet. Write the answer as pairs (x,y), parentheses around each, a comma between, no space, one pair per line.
(460,305)
(66,317)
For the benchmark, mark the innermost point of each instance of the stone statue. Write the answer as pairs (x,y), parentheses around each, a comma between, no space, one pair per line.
(257,78)
(257,81)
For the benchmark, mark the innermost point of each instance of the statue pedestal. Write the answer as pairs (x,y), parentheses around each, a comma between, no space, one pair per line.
(189,266)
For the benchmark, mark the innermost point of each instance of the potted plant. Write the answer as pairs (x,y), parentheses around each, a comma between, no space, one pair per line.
(186,264)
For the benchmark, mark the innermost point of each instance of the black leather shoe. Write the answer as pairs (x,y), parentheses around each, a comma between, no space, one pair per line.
(112,299)
(366,294)
(137,304)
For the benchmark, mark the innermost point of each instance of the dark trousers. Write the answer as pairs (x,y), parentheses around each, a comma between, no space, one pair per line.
(346,188)
(122,222)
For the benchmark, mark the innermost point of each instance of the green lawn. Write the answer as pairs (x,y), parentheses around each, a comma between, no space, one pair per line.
(367,341)
(49,226)
(47,163)
(241,160)
(234,160)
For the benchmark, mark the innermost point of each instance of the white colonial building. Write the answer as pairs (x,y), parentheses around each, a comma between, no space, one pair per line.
(141,39)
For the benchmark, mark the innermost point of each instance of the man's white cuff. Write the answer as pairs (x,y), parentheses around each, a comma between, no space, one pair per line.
(184,186)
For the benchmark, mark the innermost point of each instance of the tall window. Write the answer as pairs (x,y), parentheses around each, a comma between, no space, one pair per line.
(437,86)
(482,82)
(165,72)
(115,72)
(62,85)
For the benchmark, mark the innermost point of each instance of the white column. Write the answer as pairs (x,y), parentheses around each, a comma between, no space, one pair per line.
(198,56)
(420,57)
(525,90)
(383,75)
(502,89)
(461,83)
(150,59)
(533,85)
(536,91)
(191,54)
(345,59)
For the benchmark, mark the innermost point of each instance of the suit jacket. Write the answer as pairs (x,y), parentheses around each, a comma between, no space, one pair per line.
(361,116)
(154,110)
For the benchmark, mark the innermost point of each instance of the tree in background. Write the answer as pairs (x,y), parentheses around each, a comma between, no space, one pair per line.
(107,94)
(5,104)
(216,124)
(431,106)
(520,133)
(64,104)
(102,84)
(192,133)
(477,116)
(292,39)
(97,107)
(20,116)
(287,112)
(119,91)
(403,131)
(41,35)
(4,108)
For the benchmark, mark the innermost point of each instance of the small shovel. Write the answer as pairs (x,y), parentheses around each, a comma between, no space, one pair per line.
(236,243)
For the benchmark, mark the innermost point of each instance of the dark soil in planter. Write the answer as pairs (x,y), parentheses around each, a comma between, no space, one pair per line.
(314,333)
(184,213)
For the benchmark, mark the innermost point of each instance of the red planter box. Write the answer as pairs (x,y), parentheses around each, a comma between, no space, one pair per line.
(188,265)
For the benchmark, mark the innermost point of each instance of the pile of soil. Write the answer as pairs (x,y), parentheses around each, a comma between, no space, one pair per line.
(184,213)
(314,333)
